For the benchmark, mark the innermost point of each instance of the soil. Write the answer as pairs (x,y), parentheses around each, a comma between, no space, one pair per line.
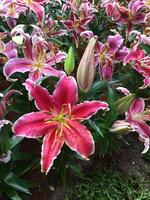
(128,159)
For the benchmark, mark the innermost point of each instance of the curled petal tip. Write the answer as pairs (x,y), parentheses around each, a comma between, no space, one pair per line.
(11,79)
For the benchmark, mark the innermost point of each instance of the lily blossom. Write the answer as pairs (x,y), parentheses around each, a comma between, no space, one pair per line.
(108,53)
(141,63)
(9,49)
(130,16)
(78,22)
(39,58)
(34,5)
(58,121)
(136,116)
(141,38)
(72,4)
(50,28)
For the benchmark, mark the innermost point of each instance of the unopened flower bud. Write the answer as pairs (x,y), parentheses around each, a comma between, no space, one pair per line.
(70,61)
(123,104)
(86,68)
(120,127)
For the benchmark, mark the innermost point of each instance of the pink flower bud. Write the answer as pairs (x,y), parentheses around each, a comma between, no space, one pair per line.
(86,68)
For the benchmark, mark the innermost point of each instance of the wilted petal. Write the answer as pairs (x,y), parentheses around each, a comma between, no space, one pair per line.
(33,125)
(17,65)
(66,92)
(87,109)
(79,139)
(51,147)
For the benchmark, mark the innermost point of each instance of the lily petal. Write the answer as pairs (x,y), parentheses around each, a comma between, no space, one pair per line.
(137,106)
(66,92)
(51,71)
(43,100)
(144,133)
(79,139)
(88,108)
(33,125)
(38,10)
(17,65)
(51,147)
(114,43)
(3,122)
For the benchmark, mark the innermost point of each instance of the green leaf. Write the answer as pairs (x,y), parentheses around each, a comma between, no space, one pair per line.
(22,156)
(95,89)
(4,139)
(146,48)
(75,167)
(14,141)
(12,194)
(22,169)
(95,127)
(16,183)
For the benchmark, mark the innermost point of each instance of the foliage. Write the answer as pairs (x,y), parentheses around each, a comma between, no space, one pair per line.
(73,74)
(108,184)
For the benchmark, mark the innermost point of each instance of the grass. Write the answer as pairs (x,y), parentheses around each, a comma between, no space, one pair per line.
(103,184)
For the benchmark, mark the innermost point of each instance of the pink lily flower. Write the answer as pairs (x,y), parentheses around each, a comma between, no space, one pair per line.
(141,38)
(109,53)
(141,64)
(78,22)
(40,56)
(50,28)
(9,49)
(136,116)
(71,4)
(58,121)
(130,16)
(34,5)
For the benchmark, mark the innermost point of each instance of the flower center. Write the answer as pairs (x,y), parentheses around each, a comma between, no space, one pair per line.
(12,9)
(28,1)
(102,57)
(103,53)
(148,2)
(62,116)
(38,65)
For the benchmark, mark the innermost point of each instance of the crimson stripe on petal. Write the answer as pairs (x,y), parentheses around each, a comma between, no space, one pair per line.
(88,108)
(51,147)
(137,106)
(43,99)
(17,65)
(33,125)
(38,10)
(79,139)
(66,92)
